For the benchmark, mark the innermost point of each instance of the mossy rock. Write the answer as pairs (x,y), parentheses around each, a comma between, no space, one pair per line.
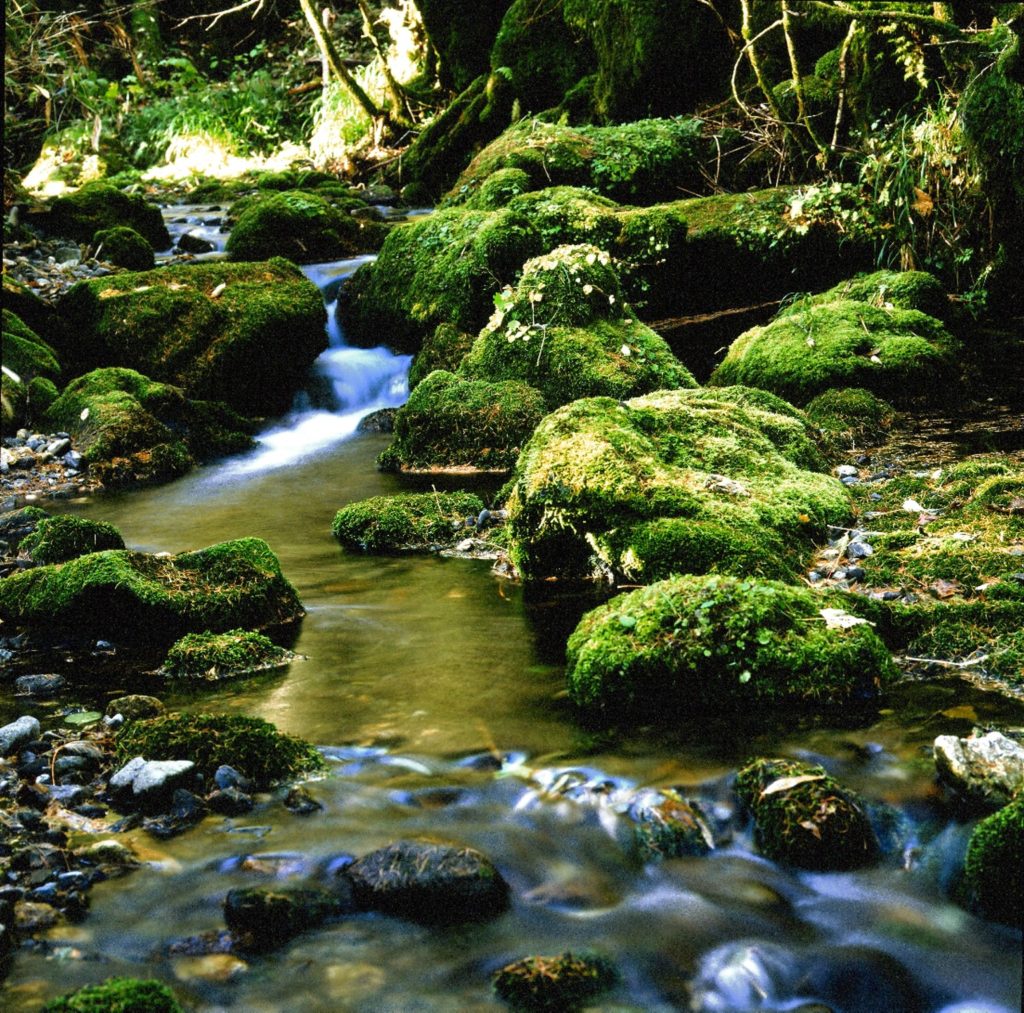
(95,206)
(15,525)
(444,349)
(902,355)
(303,227)
(241,333)
(673,828)
(804,817)
(561,983)
(132,429)
(902,290)
(697,644)
(408,522)
(445,268)
(450,422)
(67,536)
(639,163)
(251,745)
(566,331)
(264,918)
(214,656)
(498,189)
(25,352)
(135,597)
(118,995)
(993,878)
(851,416)
(679,481)
(124,247)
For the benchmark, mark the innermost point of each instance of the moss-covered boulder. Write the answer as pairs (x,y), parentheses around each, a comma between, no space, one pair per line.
(638,163)
(696,644)
(123,247)
(135,597)
(118,995)
(80,215)
(901,355)
(902,290)
(450,422)
(850,416)
(264,918)
(251,745)
(298,225)
(564,982)
(30,368)
(67,536)
(408,522)
(993,878)
(683,481)
(566,331)
(15,525)
(445,268)
(132,429)
(429,883)
(444,350)
(215,656)
(241,333)
(804,817)
(672,828)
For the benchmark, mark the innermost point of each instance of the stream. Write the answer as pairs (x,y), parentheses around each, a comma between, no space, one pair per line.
(435,689)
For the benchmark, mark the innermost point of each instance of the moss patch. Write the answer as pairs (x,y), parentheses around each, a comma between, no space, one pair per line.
(993,880)
(452,422)
(123,247)
(131,596)
(903,290)
(80,215)
(117,995)
(696,644)
(251,745)
(901,355)
(67,536)
(566,331)
(213,656)
(804,817)
(25,352)
(851,416)
(444,349)
(406,522)
(241,333)
(675,482)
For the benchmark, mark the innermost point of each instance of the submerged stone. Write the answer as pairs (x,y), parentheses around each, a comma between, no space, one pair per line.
(682,481)
(804,817)
(565,982)
(700,644)
(264,918)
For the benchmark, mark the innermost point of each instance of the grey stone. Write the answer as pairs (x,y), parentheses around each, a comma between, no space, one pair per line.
(987,769)
(14,735)
(38,685)
(57,447)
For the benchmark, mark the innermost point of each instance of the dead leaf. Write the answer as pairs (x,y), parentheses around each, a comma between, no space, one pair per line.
(912,506)
(923,205)
(785,783)
(837,619)
(945,588)
(813,827)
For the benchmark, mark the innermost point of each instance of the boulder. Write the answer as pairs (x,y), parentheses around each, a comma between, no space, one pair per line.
(265,918)
(452,422)
(566,331)
(135,706)
(214,656)
(68,536)
(95,206)
(993,876)
(564,982)
(135,597)
(703,644)
(245,334)
(301,226)
(15,734)
(149,785)
(804,817)
(429,883)
(987,769)
(681,481)
(672,828)
(903,290)
(123,247)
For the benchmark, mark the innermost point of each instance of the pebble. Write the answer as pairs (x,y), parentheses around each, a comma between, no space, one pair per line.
(858,550)
(846,471)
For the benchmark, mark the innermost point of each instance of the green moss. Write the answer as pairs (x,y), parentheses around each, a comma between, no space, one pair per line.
(241,333)
(452,422)
(25,352)
(80,215)
(222,655)
(691,476)
(67,536)
(563,983)
(117,995)
(444,349)
(130,428)
(16,524)
(303,227)
(251,745)
(124,247)
(131,596)
(993,880)
(696,644)
(566,331)
(408,521)
(851,416)
(498,189)
(804,817)
(904,290)
(902,355)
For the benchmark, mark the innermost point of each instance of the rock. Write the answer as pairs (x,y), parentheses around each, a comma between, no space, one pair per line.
(230,802)
(858,550)
(67,536)
(986,769)
(993,878)
(16,734)
(124,247)
(299,801)
(135,707)
(186,810)
(428,883)
(113,858)
(265,918)
(149,785)
(406,522)
(214,656)
(191,242)
(226,777)
(671,829)
(34,917)
(803,817)
(380,421)
(98,206)
(564,982)
(39,685)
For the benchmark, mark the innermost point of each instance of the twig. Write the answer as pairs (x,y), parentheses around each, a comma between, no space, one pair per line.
(970,662)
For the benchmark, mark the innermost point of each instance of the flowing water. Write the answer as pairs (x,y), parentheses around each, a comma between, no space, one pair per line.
(435,689)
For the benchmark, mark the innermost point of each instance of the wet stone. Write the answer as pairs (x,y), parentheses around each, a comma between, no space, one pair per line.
(301,802)
(987,769)
(17,734)
(43,684)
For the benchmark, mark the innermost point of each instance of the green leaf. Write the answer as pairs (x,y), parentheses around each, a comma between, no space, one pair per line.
(627,621)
